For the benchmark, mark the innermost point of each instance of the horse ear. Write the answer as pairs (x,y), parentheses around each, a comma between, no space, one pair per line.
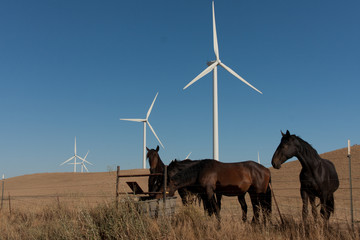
(287,133)
(157,148)
(282,133)
(147,149)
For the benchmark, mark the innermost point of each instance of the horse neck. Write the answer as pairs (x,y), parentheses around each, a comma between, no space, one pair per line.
(307,155)
(186,177)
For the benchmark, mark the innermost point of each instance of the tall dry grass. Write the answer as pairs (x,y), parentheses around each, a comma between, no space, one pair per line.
(105,221)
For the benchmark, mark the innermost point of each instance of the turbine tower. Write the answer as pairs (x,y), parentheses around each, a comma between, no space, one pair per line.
(213,67)
(73,157)
(145,121)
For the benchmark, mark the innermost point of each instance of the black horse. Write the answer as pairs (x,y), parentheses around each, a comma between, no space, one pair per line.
(210,178)
(318,177)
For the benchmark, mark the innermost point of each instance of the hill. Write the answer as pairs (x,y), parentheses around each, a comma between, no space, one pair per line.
(35,190)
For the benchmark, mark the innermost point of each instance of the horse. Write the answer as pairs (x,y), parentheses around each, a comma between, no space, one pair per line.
(156,166)
(176,166)
(155,183)
(210,177)
(318,176)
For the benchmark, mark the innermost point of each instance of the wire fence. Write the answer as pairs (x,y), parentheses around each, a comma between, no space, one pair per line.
(288,198)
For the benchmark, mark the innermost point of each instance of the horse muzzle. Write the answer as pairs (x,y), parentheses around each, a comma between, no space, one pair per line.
(276,163)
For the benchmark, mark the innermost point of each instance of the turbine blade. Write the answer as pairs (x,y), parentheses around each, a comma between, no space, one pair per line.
(86,154)
(216,47)
(133,119)
(203,73)
(83,160)
(67,160)
(149,111)
(85,168)
(236,75)
(187,157)
(155,134)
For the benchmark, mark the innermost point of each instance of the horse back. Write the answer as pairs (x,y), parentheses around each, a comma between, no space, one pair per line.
(242,175)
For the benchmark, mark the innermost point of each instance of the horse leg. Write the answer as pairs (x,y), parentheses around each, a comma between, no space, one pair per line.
(211,197)
(305,198)
(256,206)
(241,199)
(206,204)
(313,206)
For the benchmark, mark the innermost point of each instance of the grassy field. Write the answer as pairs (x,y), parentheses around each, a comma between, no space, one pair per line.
(81,206)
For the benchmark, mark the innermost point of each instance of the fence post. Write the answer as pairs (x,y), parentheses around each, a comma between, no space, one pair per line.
(2,191)
(117,186)
(165,183)
(350,182)
(9,205)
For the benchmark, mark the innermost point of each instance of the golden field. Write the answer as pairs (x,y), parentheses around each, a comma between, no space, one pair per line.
(36,190)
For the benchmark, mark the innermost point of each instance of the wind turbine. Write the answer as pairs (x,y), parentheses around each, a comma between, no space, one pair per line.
(212,66)
(83,163)
(187,157)
(145,121)
(73,157)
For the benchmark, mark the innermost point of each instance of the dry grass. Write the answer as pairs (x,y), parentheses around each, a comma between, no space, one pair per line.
(105,221)
(80,206)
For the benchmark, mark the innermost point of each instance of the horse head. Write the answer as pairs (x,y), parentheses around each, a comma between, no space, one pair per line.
(154,158)
(287,149)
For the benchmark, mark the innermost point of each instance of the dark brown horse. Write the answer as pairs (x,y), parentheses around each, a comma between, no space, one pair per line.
(177,166)
(156,166)
(230,179)
(155,183)
(318,177)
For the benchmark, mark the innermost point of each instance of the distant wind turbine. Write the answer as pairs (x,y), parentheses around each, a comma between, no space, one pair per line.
(213,67)
(145,121)
(73,157)
(258,157)
(83,163)
(187,157)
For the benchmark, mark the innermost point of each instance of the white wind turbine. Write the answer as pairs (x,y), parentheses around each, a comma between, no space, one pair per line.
(73,157)
(83,163)
(146,121)
(213,67)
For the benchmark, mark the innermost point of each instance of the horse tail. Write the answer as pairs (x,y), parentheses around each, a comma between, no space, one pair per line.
(330,203)
(267,199)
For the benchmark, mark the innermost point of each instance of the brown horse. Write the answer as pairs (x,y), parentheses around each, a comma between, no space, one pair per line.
(156,166)
(229,179)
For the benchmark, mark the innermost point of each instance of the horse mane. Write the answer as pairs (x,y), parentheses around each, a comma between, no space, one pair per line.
(176,166)
(188,175)
(307,149)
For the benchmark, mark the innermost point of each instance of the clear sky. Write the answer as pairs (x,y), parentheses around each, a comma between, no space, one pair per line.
(73,68)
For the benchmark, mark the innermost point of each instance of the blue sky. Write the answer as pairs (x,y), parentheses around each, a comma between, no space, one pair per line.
(73,68)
